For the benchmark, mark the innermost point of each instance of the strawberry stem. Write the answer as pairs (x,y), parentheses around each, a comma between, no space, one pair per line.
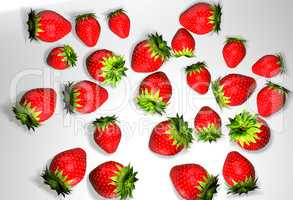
(69,55)
(104,122)
(208,187)
(281,63)
(216,17)
(218,92)
(280,88)
(209,134)
(57,181)
(33,25)
(85,16)
(124,180)
(116,12)
(159,47)
(244,187)
(195,68)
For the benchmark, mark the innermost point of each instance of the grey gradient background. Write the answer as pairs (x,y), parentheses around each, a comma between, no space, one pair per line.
(267,26)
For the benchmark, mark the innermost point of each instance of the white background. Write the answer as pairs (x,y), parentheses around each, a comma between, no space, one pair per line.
(267,26)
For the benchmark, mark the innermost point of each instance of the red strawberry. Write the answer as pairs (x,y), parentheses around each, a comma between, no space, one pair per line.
(84,96)
(198,77)
(208,124)
(271,99)
(119,23)
(107,134)
(106,67)
(249,131)
(112,180)
(202,18)
(233,89)
(62,57)
(239,174)
(269,66)
(155,92)
(66,170)
(149,55)
(171,136)
(193,182)
(234,51)
(183,43)
(36,106)
(88,29)
(47,26)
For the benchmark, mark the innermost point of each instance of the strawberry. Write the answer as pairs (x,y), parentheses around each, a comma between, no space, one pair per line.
(171,136)
(202,18)
(234,51)
(62,57)
(47,26)
(193,182)
(149,55)
(269,66)
(208,124)
(271,99)
(106,67)
(88,29)
(233,89)
(66,170)
(198,77)
(249,131)
(84,96)
(36,106)
(239,174)
(155,92)
(113,180)
(119,23)
(183,43)
(107,134)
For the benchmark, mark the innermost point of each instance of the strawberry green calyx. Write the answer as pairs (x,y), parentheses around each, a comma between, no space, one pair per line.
(159,47)
(215,19)
(236,39)
(70,98)
(85,16)
(187,52)
(27,115)
(33,25)
(218,92)
(104,122)
(180,132)
(116,12)
(281,63)
(151,102)
(244,187)
(244,128)
(57,181)
(124,180)
(279,88)
(209,134)
(69,56)
(113,70)
(208,187)
(195,68)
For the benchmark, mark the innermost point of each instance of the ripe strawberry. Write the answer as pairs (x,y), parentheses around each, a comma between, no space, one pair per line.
(106,67)
(249,131)
(183,43)
(107,134)
(239,174)
(202,18)
(233,89)
(66,170)
(62,57)
(36,106)
(193,182)
(84,96)
(269,66)
(119,23)
(271,99)
(171,136)
(155,92)
(47,26)
(112,180)
(234,51)
(198,77)
(208,124)
(149,55)
(88,29)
